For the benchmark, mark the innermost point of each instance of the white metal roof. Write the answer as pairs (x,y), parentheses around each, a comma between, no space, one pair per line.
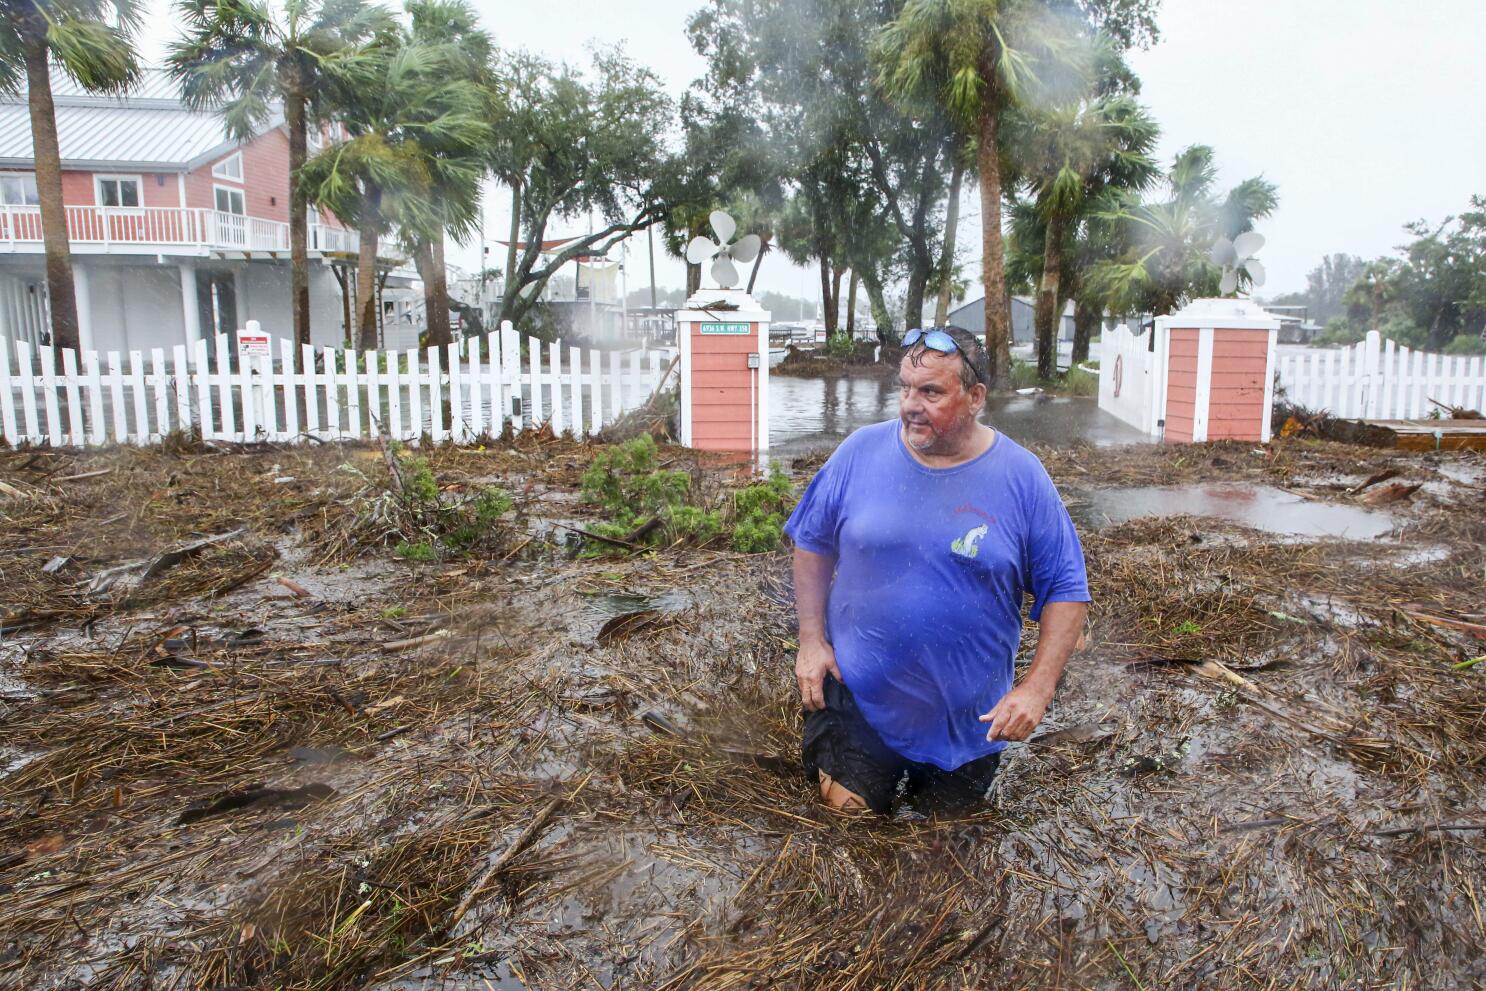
(147,129)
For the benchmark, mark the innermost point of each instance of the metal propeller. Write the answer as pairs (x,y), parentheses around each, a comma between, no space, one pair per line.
(720,252)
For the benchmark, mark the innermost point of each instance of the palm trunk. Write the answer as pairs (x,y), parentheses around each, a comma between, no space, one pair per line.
(693,279)
(441,289)
(299,248)
(1046,317)
(366,274)
(851,306)
(507,288)
(1085,319)
(61,295)
(951,230)
(343,276)
(757,261)
(993,256)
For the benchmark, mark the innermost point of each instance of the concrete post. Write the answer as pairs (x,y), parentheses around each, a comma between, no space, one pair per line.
(240,294)
(82,286)
(189,305)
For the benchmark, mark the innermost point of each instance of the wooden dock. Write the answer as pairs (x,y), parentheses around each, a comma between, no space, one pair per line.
(1425,435)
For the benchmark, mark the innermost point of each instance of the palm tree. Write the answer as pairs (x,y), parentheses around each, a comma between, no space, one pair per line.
(248,59)
(1068,154)
(455,200)
(415,124)
(100,56)
(1169,242)
(977,59)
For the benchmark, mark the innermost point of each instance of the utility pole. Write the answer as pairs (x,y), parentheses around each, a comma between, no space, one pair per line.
(650,236)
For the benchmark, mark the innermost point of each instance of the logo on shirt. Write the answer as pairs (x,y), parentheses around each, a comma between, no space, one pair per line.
(968,545)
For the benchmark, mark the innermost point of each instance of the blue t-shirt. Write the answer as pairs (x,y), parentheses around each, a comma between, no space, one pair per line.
(931,567)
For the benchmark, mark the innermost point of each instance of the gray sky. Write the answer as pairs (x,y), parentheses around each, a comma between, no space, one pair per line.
(1365,112)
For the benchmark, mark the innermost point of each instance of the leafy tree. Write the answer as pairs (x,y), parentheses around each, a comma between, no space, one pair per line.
(246,58)
(1167,261)
(1326,287)
(1434,291)
(91,41)
(806,65)
(414,120)
(596,147)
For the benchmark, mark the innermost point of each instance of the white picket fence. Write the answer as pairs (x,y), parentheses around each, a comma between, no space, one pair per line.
(482,383)
(1381,380)
(1129,378)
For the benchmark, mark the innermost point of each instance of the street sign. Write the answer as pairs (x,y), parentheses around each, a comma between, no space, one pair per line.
(253,345)
(725,328)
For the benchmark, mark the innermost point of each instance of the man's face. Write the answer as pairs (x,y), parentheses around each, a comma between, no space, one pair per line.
(935,409)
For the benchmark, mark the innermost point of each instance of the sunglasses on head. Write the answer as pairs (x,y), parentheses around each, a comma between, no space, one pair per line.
(938,340)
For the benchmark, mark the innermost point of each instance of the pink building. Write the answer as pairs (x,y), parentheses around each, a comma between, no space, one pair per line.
(176,230)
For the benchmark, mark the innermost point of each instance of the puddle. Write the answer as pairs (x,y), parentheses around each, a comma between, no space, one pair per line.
(1256,506)
(611,604)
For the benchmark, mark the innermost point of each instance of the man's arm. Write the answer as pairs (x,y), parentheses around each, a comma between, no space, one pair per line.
(816,658)
(1021,709)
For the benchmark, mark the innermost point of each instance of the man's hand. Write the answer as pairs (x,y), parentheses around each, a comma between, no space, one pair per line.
(1016,715)
(815,660)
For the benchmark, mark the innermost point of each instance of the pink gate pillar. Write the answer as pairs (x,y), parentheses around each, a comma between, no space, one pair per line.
(1217,357)
(723,336)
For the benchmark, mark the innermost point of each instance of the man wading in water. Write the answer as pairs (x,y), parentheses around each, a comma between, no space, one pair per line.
(914,546)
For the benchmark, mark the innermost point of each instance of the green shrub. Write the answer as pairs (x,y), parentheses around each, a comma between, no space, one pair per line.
(758,520)
(694,522)
(1466,344)
(418,483)
(1080,383)
(840,347)
(628,484)
(422,551)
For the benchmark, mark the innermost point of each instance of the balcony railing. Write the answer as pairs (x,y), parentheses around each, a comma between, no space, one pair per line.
(145,229)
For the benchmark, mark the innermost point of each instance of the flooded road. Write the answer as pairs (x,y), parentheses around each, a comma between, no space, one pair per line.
(1259,506)
(807,415)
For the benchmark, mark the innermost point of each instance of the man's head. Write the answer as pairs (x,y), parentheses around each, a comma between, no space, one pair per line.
(942,380)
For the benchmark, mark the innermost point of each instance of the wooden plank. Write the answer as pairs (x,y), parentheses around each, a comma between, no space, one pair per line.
(310,380)
(353,393)
(392,361)
(116,393)
(290,379)
(436,396)
(7,396)
(415,395)
(575,363)
(28,392)
(142,433)
(330,381)
(161,382)
(76,434)
(206,421)
(49,395)
(557,403)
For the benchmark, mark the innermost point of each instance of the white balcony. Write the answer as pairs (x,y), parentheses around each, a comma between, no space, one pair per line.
(165,230)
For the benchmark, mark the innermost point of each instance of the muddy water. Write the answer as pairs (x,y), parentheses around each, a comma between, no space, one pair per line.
(1258,506)
(808,415)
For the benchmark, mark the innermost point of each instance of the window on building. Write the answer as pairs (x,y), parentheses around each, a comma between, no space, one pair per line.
(18,189)
(230,200)
(118,191)
(230,168)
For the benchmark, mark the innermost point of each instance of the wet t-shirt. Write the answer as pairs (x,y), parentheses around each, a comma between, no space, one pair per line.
(932,565)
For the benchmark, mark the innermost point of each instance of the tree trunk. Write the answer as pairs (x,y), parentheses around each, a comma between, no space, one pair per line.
(1085,319)
(366,274)
(299,246)
(837,273)
(343,276)
(851,306)
(1046,316)
(61,296)
(693,279)
(880,314)
(827,305)
(918,280)
(993,256)
(951,230)
(507,287)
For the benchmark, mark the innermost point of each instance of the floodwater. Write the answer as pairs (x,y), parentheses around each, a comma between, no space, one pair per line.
(808,415)
(1257,506)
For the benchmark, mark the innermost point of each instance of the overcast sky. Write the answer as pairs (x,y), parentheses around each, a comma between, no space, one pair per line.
(1366,113)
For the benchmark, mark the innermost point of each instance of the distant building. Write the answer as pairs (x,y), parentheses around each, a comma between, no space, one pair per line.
(972,316)
(1295,324)
(583,297)
(176,230)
